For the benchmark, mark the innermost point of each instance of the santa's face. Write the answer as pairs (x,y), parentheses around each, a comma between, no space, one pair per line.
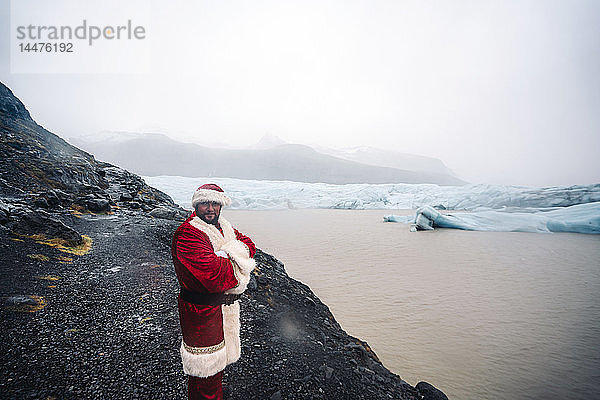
(209,212)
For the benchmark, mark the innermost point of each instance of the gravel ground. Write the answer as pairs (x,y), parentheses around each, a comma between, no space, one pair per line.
(104,325)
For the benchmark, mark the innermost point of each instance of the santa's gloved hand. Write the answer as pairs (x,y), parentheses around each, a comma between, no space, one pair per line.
(221,253)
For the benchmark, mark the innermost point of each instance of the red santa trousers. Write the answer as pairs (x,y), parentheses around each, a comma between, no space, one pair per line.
(210,388)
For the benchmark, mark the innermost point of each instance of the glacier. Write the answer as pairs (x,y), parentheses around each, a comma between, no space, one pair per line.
(581,218)
(486,207)
(273,195)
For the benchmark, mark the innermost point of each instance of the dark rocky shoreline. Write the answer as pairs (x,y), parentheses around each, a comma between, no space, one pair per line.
(89,295)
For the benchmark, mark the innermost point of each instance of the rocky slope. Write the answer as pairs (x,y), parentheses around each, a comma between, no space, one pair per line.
(88,295)
(38,165)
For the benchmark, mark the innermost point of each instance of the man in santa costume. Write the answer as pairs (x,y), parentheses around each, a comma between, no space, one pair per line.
(213,262)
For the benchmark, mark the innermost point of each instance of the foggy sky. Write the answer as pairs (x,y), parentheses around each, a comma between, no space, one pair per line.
(501,91)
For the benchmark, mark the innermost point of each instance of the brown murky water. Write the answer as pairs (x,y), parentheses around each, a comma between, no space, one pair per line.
(480,315)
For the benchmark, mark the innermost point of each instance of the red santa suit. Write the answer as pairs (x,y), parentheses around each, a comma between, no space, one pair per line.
(212,263)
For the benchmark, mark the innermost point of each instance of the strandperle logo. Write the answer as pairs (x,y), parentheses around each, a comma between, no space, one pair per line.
(85,31)
(81,37)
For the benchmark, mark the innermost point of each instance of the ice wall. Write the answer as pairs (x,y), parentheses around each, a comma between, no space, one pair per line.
(261,195)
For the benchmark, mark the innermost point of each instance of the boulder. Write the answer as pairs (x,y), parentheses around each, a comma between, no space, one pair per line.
(62,196)
(40,202)
(98,205)
(125,197)
(163,213)
(430,392)
(40,222)
(51,198)
(4,212)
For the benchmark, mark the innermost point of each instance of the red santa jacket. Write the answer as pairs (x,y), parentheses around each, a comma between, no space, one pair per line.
(210,260)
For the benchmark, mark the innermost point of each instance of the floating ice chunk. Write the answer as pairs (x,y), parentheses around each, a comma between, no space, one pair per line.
(405,219)
(582,218)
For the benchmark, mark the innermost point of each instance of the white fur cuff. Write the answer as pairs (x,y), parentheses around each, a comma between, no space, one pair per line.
(239,252)
(243,265)
(243,280)
(203,365)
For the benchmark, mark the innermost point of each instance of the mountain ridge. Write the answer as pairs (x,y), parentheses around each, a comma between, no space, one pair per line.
(158,154)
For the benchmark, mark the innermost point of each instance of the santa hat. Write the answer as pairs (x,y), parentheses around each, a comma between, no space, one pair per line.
(210,192)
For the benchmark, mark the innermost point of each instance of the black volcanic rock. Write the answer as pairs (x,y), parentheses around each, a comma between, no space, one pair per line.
(4,212)
(98,205)
(28,222)
(51,198)
(42,169)
(34,160)
(11,106)
(429,392)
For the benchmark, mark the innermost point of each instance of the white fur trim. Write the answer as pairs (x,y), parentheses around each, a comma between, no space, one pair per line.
(231,331)
(215,237)
(236,249)
(228,233)
(243,280)
(204,365)
(243,265)
(206,195)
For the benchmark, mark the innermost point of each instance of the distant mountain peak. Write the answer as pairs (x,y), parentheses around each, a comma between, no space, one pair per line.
(269,141)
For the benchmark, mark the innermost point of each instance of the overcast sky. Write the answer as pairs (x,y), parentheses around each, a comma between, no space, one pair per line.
(501,91)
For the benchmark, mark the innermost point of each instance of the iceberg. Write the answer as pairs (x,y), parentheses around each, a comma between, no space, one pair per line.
(270,195)
(581,218)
